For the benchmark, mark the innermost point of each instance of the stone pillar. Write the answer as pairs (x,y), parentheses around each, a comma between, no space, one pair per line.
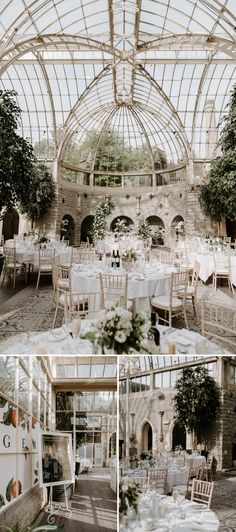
(211,129)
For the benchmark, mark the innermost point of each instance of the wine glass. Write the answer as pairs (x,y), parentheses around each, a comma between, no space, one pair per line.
(76,326)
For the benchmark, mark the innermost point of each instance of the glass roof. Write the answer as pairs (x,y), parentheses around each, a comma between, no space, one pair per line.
(86,367)
(134,365)
(157,69)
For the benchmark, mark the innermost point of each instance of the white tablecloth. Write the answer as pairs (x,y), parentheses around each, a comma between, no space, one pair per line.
(176,477)
(141,286)
(206,262)
(195,460)
(26,254)
(59,341)
(84,463)
(186,516)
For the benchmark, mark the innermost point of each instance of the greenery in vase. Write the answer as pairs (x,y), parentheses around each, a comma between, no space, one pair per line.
(218,192)
(129,492)
(144,230)
(99,223)
(118,330)
(129,256)
(197,402)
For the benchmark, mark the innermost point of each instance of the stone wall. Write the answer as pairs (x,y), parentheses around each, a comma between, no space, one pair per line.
(228,427)
(25,509)
(166,202)
(146,406)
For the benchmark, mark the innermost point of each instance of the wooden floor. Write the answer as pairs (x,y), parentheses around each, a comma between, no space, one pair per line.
(94,507)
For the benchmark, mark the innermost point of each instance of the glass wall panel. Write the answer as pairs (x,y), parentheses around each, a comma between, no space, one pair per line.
(19,426)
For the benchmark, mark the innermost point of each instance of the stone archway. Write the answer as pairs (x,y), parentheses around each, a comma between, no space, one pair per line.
(174,223)
(127,220)
(155,221)
(87,228)
(68,229)
(157,229)
(10,224)
(178,437)
(146,437)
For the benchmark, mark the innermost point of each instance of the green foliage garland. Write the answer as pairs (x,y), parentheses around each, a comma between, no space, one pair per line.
(197,402)
(144,230)
(218,193)
(99,223)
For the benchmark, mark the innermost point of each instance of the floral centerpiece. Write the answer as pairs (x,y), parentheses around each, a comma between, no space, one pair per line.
(121,227)
(129,256)
(180,228)
(129,492)
(118,330)
(41,239)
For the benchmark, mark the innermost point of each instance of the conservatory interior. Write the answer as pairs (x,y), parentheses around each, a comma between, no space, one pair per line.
(58,443)
(117,184)
(176,450)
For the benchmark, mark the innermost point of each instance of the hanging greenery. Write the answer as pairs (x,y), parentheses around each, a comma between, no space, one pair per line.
(99,223)
(144,229)
(218,193)
(197,402)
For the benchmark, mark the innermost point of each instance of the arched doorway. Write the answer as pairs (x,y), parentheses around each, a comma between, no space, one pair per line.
(68,229)
(87,228)
(10,224)
(146,437)
(126,221)
(176,220)
(178,437)
(157,229)
(231,229)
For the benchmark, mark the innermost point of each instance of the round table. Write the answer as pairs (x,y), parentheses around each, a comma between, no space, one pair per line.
(163,514)
(153,281)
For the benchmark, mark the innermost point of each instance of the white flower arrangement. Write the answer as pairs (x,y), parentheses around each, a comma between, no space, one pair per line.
(118,330)
(129,255)
(180,228)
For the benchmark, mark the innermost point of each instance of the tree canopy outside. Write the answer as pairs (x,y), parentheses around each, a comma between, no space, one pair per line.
(197,402)
(218,193)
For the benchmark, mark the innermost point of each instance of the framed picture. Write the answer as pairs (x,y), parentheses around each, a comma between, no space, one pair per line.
(55,459)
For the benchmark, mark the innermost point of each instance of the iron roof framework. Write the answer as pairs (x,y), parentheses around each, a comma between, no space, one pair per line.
(157,73)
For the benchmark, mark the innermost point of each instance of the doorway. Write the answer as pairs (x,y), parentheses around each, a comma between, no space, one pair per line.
(147,437)
(10,224)
(178,437)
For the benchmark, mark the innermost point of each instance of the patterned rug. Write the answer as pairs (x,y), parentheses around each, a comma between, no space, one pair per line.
(223,501)
(30,310)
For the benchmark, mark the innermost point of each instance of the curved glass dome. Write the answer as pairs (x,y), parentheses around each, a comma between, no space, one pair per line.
(159,70)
